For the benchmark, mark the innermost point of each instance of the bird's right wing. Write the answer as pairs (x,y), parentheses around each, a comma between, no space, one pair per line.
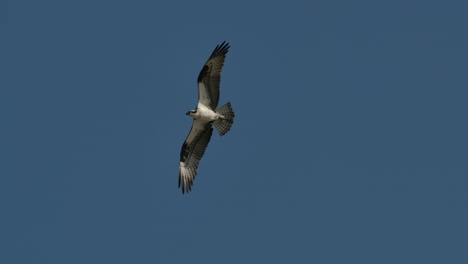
(192,151)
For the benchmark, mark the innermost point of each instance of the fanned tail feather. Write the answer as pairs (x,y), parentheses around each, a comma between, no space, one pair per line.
(224,123)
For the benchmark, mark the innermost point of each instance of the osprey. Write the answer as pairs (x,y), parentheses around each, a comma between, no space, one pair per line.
(204,116)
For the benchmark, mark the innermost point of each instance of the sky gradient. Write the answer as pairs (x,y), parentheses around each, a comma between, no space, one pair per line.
(349,145)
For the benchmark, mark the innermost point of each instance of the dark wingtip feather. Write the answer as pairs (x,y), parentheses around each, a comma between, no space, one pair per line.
(221,48)
(185,185)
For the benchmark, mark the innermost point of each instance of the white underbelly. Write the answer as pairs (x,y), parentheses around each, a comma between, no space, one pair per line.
(207,114)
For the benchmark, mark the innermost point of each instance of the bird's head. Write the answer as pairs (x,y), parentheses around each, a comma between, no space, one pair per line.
(191,112)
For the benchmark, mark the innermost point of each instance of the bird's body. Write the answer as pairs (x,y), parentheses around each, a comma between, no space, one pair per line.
(204,116)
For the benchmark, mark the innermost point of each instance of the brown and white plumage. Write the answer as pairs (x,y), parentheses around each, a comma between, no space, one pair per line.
(206,113)
(210,77)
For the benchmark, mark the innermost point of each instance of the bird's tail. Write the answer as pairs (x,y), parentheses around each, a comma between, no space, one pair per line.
(224,123)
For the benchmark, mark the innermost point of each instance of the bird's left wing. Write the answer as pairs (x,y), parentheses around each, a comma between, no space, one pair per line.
(210,77)
(192,151)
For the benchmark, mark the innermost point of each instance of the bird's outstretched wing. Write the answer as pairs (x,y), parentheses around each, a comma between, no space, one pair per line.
(210,77)
(192,151)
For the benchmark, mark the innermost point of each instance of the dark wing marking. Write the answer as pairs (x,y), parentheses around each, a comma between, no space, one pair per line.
(192,151)
(210,77)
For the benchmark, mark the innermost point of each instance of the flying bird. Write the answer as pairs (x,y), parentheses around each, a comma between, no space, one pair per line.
(204,116)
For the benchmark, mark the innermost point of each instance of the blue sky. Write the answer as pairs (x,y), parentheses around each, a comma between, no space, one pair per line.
(349,146)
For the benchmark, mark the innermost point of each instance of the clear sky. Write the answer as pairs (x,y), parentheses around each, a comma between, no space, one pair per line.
(349,145)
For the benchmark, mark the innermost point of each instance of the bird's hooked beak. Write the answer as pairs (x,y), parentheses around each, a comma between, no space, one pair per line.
(187,113)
